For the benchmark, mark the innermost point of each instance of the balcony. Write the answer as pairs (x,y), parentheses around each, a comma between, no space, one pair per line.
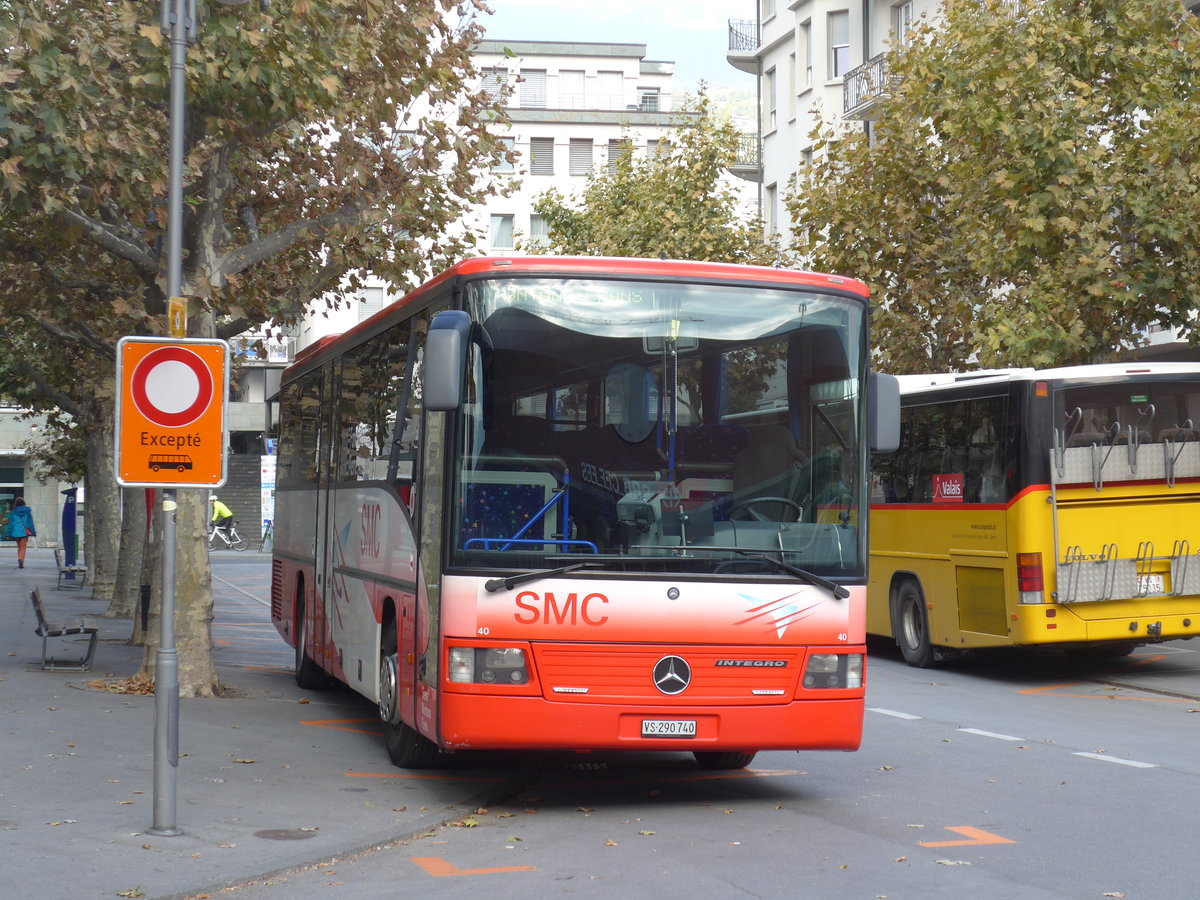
(864,87)
(743,45)
(748,163)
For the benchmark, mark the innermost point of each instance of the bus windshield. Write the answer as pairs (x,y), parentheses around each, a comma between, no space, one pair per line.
(658,426)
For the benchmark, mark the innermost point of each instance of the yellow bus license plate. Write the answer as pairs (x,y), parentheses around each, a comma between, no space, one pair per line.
(1151,585)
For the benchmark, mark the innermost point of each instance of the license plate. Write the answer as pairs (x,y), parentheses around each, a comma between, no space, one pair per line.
(1150,585)
(674,728)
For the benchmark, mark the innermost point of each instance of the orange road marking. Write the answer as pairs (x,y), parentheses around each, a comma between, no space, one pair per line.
(975,838)
(440,868)
(1058,691)
(341,725)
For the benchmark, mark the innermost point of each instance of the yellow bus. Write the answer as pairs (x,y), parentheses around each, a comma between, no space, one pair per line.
(1054,507)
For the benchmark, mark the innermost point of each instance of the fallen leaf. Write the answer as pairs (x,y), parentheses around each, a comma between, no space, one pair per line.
(952,862)
(900,859)
(247,761)
(610,843)
(304,700)
(468,822)
(647,832)
(132,892)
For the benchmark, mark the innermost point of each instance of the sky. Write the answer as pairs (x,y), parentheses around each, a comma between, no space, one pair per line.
(694,34)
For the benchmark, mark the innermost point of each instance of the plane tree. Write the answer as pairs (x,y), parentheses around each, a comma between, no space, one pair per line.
(324,139)
(1030,190)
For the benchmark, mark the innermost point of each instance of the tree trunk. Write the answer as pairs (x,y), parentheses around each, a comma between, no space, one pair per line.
(103,500)
(127,588)
(193,601)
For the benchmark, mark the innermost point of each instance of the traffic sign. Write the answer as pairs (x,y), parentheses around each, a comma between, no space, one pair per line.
(171,412)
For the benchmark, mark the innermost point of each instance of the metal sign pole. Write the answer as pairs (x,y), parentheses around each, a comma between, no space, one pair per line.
(179,17)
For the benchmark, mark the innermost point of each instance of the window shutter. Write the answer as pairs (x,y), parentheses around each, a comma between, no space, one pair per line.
(533,89)
(581,156)
(541,156)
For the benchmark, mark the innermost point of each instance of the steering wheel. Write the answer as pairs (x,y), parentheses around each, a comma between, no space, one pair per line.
(747,505)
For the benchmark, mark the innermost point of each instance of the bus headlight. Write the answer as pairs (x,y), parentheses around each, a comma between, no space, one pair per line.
(834,670)
(488,665)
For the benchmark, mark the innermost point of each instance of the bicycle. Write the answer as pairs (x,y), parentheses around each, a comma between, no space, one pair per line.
(232,540)
(268,535)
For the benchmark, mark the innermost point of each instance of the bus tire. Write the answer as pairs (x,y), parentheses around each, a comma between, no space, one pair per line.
(724,759)
(406,747)
(910,625)
(309,675)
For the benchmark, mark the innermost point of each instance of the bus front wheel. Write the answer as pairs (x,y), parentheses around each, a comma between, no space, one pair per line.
(910,625)
(406,747)
(309,675)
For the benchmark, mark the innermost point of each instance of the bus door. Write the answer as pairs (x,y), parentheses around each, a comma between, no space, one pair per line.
(323,599)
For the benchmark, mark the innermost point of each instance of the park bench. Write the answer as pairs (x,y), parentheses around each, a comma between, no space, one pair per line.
(73,627)
(72,576)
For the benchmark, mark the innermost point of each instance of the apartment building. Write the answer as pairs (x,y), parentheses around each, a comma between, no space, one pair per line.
(569,106)
(816,60)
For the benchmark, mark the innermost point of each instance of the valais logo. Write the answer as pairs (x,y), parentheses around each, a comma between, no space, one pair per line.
(948,488)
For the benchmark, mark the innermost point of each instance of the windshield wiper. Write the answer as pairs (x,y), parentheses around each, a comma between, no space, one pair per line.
(812,578)
(838,591)
(507,584)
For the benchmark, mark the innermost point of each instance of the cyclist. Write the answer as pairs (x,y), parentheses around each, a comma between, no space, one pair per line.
(221,516)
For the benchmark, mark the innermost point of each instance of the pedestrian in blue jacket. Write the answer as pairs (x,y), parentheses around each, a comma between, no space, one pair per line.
(20,528)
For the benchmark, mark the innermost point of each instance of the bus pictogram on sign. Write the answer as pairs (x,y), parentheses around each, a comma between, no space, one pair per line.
(171,412)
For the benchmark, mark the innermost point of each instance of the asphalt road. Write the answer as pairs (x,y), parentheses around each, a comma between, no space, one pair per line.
(1011,775)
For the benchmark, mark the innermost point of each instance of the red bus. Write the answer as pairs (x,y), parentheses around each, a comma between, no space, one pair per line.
(587,504)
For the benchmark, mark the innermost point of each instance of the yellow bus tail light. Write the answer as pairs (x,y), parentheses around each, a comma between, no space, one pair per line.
(1031,583)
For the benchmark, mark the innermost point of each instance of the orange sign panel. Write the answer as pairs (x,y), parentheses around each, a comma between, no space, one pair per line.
(171,412)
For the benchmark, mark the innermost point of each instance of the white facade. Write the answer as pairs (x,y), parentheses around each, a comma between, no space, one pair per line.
(570,105)
(816,59)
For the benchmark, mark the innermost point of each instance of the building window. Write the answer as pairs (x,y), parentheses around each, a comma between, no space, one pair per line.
(767,7)
(504,164)
(769,99)
(539,231)
(541,156)
(533,89)
(839,43)
(570,89)
(653,146)
(371,301)
(770,202)
(502,232)
(617,147)
(609,90)
(903,23)
(806,45)
(791,103)
(648,99)
(493,82)
(581,156)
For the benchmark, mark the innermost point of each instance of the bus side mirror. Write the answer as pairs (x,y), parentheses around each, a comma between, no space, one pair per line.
(445,360)
(883,412)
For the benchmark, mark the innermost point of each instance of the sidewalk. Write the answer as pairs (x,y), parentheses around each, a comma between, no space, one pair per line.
(269,778)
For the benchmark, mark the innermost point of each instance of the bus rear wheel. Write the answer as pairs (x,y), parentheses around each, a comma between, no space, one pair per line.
(724,759)
(910,625)
(406,747)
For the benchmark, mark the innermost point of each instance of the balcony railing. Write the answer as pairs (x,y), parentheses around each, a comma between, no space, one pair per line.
(864,86)
(743,36)
(747,164)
